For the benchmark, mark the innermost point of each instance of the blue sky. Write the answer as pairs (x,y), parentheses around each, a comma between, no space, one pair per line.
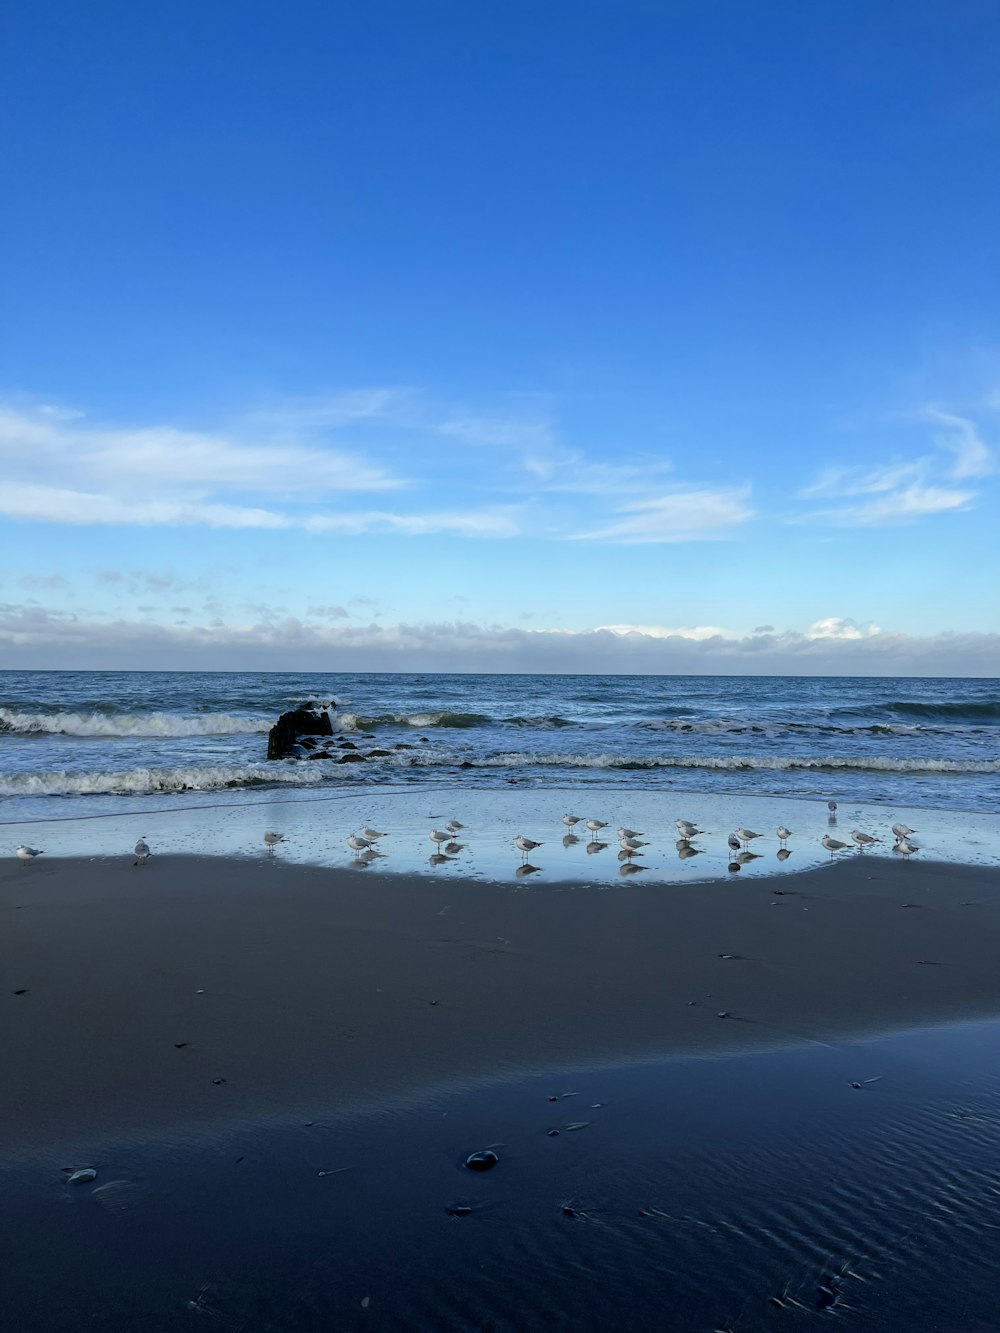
(435,335)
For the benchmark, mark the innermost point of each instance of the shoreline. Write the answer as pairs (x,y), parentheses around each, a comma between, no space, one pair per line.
(303,987)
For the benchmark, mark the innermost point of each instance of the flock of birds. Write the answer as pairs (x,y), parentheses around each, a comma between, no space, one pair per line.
(630,842)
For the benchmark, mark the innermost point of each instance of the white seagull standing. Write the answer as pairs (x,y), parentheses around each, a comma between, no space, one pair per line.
(863,840)
(437,837)
(905,847)
(631,845)
(783,834)
(371,834)
(525,845)
(453,826)
(686,829)
(734,843)
(359,845)
(141,853)
(832,807)
(571,821)
(629,833)
(27,854)
(746,835)
(902,830)
(595,825)
(271,841)
(833,845)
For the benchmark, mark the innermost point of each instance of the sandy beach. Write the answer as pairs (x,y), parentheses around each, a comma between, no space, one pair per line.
(196,990)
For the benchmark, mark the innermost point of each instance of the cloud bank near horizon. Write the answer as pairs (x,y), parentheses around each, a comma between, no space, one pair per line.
(35,638)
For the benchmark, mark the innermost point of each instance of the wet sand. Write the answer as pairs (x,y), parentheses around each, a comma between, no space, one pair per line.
(200,991)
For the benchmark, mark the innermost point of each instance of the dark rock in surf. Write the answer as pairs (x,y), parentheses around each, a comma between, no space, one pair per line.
(285,733)
(351,758)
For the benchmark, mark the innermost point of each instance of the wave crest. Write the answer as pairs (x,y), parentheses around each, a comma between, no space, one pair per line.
(973,710)
(445,718)
(147,781)
(102,723)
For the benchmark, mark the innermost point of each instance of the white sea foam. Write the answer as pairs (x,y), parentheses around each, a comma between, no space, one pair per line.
(158,724)
(417,721)
(145,781)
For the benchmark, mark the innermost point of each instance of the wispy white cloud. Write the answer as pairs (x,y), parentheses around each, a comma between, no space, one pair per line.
(838,481)
(961,437)
(277,469)
(128,461)
(52,504)
(907,489)
(688,515)
(571,472)
(61,469)
(497,522)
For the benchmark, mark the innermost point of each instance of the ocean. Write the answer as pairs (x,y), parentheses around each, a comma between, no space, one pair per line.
(93,742)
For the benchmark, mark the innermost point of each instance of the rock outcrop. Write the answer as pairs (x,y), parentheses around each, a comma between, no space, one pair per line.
(285,735)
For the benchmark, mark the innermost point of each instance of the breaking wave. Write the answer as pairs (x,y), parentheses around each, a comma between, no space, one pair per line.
(103,723)
(146,781)
(427,721)
(973,710)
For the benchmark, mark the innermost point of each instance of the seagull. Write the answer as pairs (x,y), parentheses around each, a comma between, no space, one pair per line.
(832,807)
(571,820)
(905,847)
(595,825)
(453,826)
(525,845)
(271,841)
(783,833)
(746,834)
(629,833)
(686,829)
(359,845)
(437,837)
(902,831)
(371,834)
(27,854)
(833,845)
(631,845)
(734,843)
(862,839)
(141,853)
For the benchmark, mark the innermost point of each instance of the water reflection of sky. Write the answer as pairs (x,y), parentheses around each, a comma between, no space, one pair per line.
(316,829)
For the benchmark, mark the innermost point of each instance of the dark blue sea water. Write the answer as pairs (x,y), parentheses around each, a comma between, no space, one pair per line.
(101,739)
